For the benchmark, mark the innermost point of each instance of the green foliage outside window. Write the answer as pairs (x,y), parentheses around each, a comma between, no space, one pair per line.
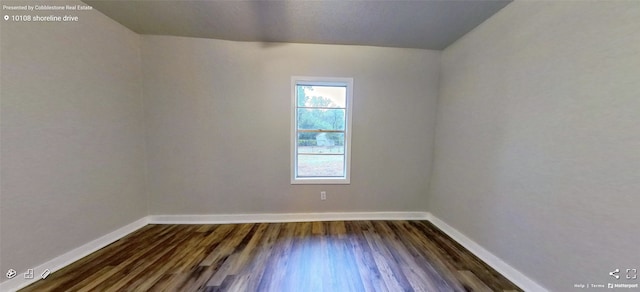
(320,114)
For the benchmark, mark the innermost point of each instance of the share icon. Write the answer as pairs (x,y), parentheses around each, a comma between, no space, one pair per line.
(614,273)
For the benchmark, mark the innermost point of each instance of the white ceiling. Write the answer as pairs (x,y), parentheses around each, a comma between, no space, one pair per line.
(425,24)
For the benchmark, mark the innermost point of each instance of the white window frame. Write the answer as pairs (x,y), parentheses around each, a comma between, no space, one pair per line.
(320,81)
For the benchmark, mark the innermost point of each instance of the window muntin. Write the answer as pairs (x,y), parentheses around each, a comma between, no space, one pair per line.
(321,120)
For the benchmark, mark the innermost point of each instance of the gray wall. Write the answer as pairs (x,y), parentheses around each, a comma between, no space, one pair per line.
(72,136)
(218,126)
(538,139)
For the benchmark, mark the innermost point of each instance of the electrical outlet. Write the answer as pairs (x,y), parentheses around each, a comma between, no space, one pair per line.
(323,195)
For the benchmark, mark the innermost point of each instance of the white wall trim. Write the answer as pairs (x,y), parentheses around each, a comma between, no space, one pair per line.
(284,217)
(62,261)
(495,262)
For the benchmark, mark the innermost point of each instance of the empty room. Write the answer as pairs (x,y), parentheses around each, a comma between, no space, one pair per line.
(427,145)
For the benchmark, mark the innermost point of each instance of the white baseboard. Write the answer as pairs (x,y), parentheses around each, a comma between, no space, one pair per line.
(285,217)
(495,262)
(61,261)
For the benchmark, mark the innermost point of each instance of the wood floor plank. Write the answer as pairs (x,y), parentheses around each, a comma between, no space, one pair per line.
(462,258)
(418,278)
(348,256)
(228,245)
(472,283)
(253,276)
(369,273)
(387,266)
(441,278)
(126,267)
(276,266)
(223,272)
(434,254)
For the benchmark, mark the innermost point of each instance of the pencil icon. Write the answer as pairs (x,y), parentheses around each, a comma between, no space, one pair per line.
(45,274)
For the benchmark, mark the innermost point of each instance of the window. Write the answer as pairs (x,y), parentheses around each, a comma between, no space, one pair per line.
(321,130)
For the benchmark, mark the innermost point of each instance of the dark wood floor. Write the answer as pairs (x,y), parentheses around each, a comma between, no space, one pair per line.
(310,256)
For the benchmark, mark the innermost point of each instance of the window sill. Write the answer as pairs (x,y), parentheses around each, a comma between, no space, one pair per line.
(320,181)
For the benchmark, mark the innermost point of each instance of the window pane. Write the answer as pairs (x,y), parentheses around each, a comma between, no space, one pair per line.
(320,165)
(324,143)
(321,119)
(321,96)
